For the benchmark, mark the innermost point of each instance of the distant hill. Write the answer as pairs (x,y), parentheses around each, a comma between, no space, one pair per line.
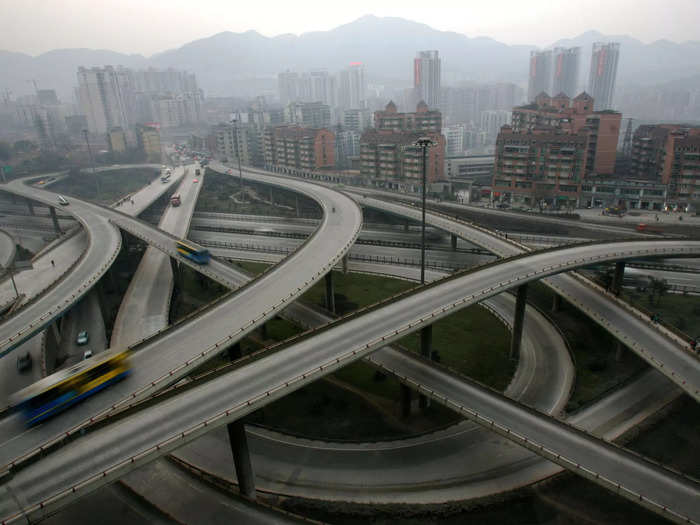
(246,63)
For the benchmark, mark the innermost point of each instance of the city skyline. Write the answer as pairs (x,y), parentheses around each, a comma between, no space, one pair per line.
(43,26)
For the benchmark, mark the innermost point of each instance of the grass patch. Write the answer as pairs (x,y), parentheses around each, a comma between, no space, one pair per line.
(114,184)
(681,311)
(473,343)
(597,370)
(354,291)
(254,268)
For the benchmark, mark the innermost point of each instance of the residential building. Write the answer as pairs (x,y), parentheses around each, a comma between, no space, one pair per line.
(299,148)
(357,119)
(423,120)
(287,84)
(542,166)
(540,79)
(491,122)
(454,140)
(571,116)
(352,87)
(149,141)
(470,168)
(391,159)
(565,68)
(603,73)
(239,140)
(103,98)
(552,146)
(116,140)
(347,146)
(669,154)
(426,78)
(308,114)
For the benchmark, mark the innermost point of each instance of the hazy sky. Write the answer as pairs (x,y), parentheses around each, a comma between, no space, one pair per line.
(150,26)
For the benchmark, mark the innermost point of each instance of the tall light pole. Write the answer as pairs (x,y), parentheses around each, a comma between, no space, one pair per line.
(92,163)
(424,143)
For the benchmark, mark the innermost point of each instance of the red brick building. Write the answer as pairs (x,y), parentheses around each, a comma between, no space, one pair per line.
(300,148)
(552,146)
(390,159)
(423,120)
(669,154)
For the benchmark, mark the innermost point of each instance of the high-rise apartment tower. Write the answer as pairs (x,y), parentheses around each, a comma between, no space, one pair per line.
(426,77)
(603,72)
(540,74)
(565,66)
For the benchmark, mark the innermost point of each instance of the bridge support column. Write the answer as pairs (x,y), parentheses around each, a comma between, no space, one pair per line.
(406,396)
(296,205)
(263,331)
(556,302)
(272,198)
(30,205)
(235,351)
(619,351)
(405,226)
(426,350)
(518,319)
(177,273)
(241,458)
(330,296)
(618,276)
(345,263)
(453,238)
(56,226)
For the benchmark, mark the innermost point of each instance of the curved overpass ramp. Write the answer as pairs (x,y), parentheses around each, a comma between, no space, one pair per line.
(159,429)
(174,352)
(663,350)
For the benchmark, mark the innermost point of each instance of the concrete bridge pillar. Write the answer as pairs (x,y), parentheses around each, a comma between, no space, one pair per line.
(619,351)
(330,296)
(406,396)
(56,226)
(556,302)
(30,205)
(345,263)
(296,205)
(263,331)
(518,320)
(177,273)
(235,351)
(453,238)
(618,277)
(406,226)
(241,458)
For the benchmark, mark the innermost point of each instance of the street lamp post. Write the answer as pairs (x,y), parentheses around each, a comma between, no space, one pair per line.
(424,143)
(238,156)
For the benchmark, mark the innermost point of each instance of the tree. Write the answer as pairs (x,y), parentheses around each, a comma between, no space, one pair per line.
(542,193)
(658,288)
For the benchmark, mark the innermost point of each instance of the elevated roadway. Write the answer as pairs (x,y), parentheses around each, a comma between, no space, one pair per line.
(170,424)
(103,244)
(662,349)
(175,352)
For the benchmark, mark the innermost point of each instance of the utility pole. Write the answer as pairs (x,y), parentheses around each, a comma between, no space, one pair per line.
(92,163)
(424,143)
(238,155)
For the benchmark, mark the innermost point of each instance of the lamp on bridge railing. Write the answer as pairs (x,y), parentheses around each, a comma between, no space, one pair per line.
(424,143)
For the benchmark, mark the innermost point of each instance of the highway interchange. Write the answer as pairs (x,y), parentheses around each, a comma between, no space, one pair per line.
(549,264)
